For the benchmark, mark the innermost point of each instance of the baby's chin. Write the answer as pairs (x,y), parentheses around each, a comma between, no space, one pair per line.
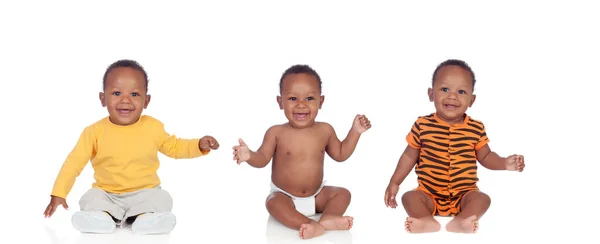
(124,120)
(301,123)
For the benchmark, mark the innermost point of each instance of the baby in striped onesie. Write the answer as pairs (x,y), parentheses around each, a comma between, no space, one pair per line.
(445,147)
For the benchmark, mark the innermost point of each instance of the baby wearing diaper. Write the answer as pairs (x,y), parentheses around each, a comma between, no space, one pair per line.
(298,149)
(304,205)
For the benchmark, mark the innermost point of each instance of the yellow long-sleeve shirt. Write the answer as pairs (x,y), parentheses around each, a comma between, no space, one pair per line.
(124,158)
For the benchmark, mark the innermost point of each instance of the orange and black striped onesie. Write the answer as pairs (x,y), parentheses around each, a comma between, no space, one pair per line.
(447,164)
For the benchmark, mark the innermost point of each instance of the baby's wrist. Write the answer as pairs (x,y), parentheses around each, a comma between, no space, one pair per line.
(354,131)
(54,196)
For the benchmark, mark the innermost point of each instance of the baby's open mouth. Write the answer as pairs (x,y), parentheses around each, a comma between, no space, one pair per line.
(124,111)
(450,106)
(300,116)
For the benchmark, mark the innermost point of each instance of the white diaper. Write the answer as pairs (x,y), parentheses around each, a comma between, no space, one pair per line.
(304,205)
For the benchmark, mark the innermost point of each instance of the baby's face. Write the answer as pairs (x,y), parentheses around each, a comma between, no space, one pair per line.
(125,95)
(452,93)
(300,99)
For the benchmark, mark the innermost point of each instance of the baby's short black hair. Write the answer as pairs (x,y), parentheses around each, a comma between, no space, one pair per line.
(125,63)
(455,62)
(300,69)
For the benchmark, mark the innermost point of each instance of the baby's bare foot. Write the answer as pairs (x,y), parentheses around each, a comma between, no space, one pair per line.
(337,223)
(421,225)
(462,225)
(310,230)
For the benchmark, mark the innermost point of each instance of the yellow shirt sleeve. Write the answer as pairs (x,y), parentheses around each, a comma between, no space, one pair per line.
(178,148)
(84,150)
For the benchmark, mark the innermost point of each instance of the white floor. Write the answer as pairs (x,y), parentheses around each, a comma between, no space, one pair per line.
(222,216)
(263,229)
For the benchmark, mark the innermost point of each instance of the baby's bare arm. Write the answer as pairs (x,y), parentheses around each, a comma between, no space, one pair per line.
(405,164)
(490,160)
(264,154)
(338,150)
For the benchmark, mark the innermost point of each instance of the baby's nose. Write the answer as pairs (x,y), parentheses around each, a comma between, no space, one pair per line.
(125,99)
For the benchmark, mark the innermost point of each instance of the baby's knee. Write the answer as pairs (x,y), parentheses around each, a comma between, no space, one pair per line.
(165,194)
(479,197)
(159,197)
(411,195)
(271,201)
(345,193)
(485,198)
(160,194)
(93,196)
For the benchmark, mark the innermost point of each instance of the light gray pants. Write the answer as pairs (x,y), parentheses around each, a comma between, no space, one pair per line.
(125,205)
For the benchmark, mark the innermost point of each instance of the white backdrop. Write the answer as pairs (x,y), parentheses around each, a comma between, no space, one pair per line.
(214,69)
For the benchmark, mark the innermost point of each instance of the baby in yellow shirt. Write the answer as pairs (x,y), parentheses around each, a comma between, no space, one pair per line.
(123,149)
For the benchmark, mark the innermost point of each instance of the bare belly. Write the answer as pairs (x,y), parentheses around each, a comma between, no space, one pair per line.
(298,181)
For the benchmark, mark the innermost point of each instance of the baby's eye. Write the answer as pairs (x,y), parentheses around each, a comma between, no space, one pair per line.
(135,94)
(444,89)
(462,92)
(292,98)
(310,98)
(116,93)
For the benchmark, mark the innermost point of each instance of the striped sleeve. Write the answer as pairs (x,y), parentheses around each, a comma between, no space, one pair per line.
(483,138)
(413,138)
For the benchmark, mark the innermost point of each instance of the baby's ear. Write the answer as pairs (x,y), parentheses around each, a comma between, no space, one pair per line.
(472,100)
(321,102)
(147,100)
(430,94)
(279,102)
(102,99)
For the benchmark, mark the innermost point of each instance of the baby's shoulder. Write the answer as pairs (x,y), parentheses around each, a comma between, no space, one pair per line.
(276,128)
(471,119)
(98,124)
(475,123)
(428,118)
(323,127)
(148,119)
(275,131)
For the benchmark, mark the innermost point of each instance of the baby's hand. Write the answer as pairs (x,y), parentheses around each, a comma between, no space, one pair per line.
(361,124)
(54,202)
(241,153)
(515,163)
(390,196)
(208,143)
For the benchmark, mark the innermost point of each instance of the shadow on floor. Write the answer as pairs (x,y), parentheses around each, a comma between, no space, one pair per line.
(119,236)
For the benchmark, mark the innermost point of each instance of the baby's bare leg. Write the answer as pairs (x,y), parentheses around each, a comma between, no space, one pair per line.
(472,206)
(281,207)
(419,207)
(332,202)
